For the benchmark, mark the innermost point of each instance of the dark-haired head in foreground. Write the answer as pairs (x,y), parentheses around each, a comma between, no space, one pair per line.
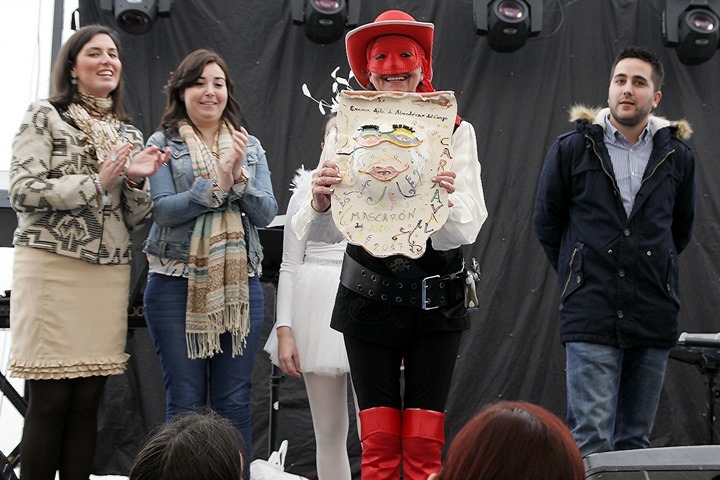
(195,446)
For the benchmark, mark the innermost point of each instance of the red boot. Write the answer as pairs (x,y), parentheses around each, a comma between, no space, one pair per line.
(423,436)
(380,437)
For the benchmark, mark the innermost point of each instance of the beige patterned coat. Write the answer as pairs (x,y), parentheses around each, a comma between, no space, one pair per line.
(53,192)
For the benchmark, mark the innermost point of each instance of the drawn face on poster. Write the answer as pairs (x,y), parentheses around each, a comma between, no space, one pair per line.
(389,148)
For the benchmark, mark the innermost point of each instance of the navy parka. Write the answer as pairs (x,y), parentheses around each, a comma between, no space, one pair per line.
(617,274)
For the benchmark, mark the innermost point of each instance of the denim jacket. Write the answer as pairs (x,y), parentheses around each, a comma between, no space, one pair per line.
(179,198)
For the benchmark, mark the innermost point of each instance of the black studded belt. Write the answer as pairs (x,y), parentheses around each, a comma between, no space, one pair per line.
(427,293)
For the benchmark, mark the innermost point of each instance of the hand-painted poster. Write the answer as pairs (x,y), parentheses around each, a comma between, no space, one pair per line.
(389,147)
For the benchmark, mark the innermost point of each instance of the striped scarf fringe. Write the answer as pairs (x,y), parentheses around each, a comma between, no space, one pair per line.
(218,295)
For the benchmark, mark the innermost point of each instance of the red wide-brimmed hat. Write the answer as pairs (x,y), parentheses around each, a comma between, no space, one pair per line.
(391,22)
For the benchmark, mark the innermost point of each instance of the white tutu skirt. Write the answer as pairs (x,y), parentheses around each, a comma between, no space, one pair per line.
(320,348)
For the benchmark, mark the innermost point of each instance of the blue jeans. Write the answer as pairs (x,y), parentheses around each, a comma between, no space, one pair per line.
(612,395)
(221,382)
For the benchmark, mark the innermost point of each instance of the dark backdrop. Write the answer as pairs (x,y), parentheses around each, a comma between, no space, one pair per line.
(518,103)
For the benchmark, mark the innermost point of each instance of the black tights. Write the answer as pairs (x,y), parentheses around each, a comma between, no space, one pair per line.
(60,428)
(429,361)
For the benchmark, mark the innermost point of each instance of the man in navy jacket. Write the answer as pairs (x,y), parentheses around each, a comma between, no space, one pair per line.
(615,207)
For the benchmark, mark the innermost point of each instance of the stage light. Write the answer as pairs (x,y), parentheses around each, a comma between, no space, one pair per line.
(325,20)
(136,16)
(693,28)
(508,23)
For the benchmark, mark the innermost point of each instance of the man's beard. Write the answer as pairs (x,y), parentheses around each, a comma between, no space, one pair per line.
(638,118)
(632,121)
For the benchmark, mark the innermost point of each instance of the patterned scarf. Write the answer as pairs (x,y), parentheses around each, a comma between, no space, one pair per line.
(102,133)
(218,298)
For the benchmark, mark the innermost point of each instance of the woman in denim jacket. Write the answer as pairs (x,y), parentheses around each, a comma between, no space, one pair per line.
(203,301)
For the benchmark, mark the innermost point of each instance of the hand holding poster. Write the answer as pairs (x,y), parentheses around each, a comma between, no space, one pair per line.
(390,146)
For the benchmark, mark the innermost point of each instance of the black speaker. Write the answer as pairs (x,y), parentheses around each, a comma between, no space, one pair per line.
(668,463)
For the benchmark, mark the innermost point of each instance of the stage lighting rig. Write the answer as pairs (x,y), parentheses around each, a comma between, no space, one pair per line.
(693,28)
(325,20)
(136,16)
(508,23)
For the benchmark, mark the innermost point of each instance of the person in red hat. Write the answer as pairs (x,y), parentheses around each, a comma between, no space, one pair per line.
(394,331)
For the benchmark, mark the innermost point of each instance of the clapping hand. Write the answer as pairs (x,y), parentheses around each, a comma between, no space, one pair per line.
(112,167)
(231,162)
(146,163)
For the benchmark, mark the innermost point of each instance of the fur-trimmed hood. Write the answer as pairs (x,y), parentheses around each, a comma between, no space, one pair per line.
(581,113)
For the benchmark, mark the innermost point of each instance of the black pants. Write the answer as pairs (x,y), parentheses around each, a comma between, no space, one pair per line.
(428,367)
